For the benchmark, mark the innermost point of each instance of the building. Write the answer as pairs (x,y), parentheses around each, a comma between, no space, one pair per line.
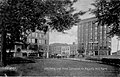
(73,49)
(93,39)
(55,48)
(63,49)
(39,41)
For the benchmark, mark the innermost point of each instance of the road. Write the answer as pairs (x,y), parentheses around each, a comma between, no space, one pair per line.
(63,67)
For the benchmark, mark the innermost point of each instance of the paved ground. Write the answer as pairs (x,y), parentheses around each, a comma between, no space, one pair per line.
(67,67)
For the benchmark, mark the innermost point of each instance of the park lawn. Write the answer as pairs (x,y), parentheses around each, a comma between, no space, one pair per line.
(29,69)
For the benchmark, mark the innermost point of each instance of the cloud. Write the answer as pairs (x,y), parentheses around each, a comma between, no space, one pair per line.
(72,31)
(70,37)
(83,5)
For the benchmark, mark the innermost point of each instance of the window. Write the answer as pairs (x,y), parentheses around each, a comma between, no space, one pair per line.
(33,34)
(100,38)
(45,36)
(109,43)
(104,37)
(109,39)
(36,35)
(105,26)
(40,35)
(100,27)
(96,28)
(33,40)
(40,41)
(95,38)
(45,41)
(105,31)
(29,40)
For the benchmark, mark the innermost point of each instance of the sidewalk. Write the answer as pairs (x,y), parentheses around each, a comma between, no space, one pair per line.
(81,59)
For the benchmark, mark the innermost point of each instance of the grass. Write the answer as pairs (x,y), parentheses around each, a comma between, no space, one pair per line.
(19,63)
(109,61)
(28,69)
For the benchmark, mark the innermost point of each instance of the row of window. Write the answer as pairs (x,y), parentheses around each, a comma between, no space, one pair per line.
(91,36)
(93,44)
(65,49)
(40,41)
(94,39)
(38,35)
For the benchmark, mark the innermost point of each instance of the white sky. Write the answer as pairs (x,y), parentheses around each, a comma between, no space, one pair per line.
(71,36)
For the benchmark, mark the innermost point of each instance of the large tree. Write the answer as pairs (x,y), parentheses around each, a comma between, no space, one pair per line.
(20,17)
(108,13)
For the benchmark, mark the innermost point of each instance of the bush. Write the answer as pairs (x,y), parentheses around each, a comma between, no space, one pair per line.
(112,61)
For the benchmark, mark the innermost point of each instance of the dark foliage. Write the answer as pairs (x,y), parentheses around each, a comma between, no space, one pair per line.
(21,17)
(18,18)
(108,13)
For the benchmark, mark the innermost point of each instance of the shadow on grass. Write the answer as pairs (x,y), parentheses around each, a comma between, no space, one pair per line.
(107,61)
(12,61)
(9,73)
(19,60)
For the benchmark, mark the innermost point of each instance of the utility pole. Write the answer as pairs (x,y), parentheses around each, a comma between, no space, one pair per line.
(3,46)
(3,42)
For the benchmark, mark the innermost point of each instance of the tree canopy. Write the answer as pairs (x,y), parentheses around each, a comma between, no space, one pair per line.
(108,13)
(20,17)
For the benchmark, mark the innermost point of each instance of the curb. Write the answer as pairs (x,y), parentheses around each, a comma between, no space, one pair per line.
(82,60)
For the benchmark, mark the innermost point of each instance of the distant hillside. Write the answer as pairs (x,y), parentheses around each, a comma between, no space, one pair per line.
(58,44)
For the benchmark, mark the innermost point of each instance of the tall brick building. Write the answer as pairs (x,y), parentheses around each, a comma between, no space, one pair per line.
(93,39)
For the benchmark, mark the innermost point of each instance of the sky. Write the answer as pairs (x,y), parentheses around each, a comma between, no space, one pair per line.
(71,36)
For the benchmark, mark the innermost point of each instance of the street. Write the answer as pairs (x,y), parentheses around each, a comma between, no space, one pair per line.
(65,67)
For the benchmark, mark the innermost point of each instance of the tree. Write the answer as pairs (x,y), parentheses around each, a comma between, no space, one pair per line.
(21,17)
(107,13)
(80,51)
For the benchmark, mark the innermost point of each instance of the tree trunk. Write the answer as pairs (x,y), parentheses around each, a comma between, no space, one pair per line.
(4,47)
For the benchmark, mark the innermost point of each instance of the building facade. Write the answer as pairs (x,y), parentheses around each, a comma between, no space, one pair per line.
(39,41)
(93,39)
(63,49)
(73,49)
(55,48)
